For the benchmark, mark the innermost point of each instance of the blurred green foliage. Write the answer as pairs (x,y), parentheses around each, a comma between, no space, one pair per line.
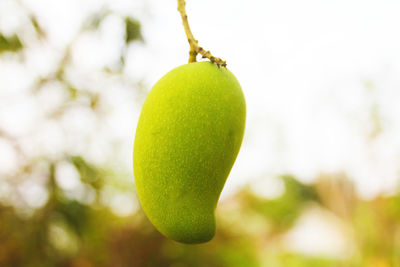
(133,30)
(283,211)
(89,174)
(10,44)
(65,232)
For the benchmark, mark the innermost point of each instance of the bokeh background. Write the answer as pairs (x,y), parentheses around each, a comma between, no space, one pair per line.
(316,182)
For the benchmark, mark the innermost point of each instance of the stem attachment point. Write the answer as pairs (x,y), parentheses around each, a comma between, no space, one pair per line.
(194,46)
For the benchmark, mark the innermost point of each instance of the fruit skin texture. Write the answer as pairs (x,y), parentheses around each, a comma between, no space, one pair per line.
(188,136)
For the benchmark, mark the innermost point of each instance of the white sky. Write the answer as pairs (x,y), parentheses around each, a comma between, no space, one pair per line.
(303,66)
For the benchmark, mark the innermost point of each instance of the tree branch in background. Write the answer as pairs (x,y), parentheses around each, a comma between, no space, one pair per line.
(194,47)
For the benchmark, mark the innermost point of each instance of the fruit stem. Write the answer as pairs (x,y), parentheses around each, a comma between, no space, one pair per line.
(194,46)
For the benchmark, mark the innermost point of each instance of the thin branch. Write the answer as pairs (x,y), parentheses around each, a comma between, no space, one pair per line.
(194,46)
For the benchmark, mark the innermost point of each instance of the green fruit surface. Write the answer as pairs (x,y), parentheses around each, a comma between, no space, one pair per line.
(188,136)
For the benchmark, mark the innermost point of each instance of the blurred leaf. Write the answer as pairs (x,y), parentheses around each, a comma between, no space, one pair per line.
(94,21)
(75,215)
(392,208)
(89,173)
(94,101)
(301,191)
(238,253)
(133,30)
(39,30)
(10,44)
(298,260)
(73,92)
(283,211)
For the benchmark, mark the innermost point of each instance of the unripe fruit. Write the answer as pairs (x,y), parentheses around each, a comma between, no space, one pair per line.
(188,136)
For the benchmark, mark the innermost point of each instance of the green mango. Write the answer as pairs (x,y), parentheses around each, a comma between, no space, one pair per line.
(188,136)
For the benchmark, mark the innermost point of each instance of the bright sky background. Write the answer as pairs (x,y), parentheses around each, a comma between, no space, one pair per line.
(312,73)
